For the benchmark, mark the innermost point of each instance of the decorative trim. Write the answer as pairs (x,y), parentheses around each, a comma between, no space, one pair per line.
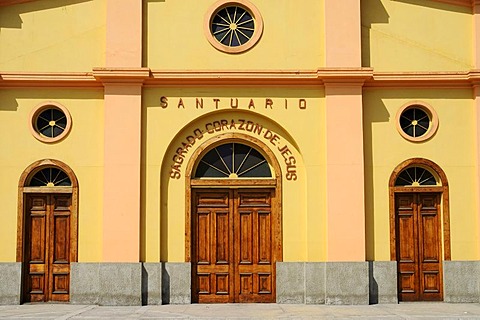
(39,109)
(276,183)
(4,3)
(462,3)
(432,115)
(443,190)
(121,75)
(22,190)
(151,78)
(48,79)
(221,4)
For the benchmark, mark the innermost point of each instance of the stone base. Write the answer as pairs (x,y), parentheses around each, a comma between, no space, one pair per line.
(152,283)
(383,281)
(323,282)
(176,283)
(461,281)
(108,284)
(10,283)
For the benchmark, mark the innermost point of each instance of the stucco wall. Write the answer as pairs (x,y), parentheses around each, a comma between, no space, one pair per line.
(81,150)
(450,148)
(53,36)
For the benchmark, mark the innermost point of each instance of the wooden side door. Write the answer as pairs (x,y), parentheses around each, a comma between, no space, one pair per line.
(212,254)
(47,247)
(232,246)
(418,247)
(254,258)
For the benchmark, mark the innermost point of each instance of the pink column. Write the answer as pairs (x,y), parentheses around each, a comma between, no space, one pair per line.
(343,33)
(476,56)
(122,144)
(344,131)
(345,173)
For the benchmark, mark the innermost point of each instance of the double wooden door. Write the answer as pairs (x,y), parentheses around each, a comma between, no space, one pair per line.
(418,242)
(47,247)
(233,239)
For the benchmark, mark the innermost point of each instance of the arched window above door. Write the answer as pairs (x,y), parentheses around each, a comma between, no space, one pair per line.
(416,176)
(233,160)
(50,177)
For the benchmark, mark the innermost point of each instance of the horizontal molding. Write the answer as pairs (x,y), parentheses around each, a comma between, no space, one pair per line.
(365,77)
(4,3)
(48,79)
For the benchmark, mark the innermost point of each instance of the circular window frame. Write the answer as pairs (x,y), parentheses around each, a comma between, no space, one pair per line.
(245,4)
(41,108)
(431,113)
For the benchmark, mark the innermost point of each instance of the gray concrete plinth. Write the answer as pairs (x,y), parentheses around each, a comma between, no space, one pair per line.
(383,281)
(315,283)
(10,283)
(176,283)
(290,282)
(346,283)
(152,283)
(461,281)
(109,284)
(322,282)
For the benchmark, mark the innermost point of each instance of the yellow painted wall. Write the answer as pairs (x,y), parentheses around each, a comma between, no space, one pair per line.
(297,31)
(303,200)
(451,148)
(408,35)
(53,36)
(82,150)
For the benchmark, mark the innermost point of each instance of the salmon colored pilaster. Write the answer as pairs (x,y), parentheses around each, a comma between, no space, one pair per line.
(343,33)
(121,209)
(476,33)
(345,173)
(122,154)
(124,40)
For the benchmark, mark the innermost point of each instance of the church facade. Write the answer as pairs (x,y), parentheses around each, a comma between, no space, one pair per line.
(313,152)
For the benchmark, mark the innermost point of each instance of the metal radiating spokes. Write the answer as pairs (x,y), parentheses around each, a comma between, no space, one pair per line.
(233,26)
(51,122)
(415,176)
(414,122)
(50,177)
(233,160)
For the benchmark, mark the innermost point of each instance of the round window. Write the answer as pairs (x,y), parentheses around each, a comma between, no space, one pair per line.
(233,26)
(417,121)
(50,122)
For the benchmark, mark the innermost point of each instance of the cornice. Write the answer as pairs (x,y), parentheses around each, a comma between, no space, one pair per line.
(365,77)
(121,75)
(424,79)
(4,3)
(48,79)
(463,3)
(258,77)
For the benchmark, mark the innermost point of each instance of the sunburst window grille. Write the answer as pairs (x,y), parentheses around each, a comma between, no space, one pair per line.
(233,26)
(233,160)
(415,177)
(50,177)
(415,122)
(51,122)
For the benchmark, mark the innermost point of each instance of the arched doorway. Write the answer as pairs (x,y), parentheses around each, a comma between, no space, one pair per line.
(233,223)
(418,206)
(47,230)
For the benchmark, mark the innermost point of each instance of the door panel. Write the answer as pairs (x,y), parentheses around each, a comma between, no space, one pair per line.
(232,246)
(418,247)
(47,247)
(212,220)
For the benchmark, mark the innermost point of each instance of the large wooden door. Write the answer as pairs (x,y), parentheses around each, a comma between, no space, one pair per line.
(418,242)
(233,243)
(47,247)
